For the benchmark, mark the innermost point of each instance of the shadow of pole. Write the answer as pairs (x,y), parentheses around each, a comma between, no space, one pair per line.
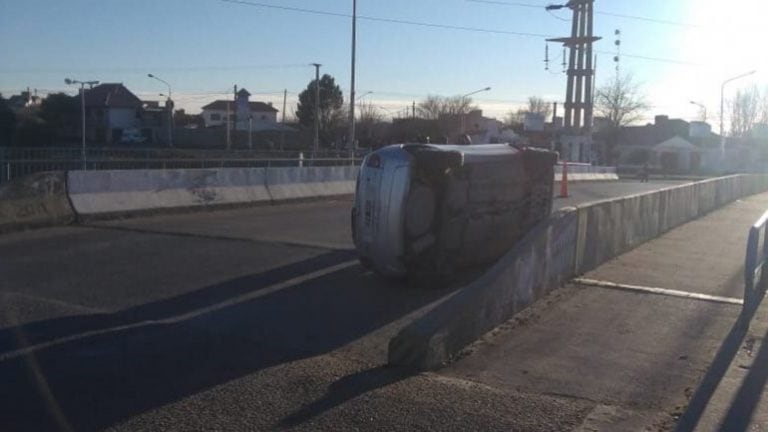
(346,389)
(744,403)
(717,370)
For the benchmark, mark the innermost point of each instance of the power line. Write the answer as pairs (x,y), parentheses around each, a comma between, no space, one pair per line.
(386,20)
(143,69)
(616,15)
(656,59)
(451,27)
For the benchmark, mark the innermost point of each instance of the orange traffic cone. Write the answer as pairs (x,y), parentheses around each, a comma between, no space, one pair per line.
(564,181)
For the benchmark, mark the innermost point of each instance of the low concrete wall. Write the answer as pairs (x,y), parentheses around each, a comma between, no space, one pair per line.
(109,192)
(310,182)
(540,262)
(101,193)
(569,243)
(582,172)
(36,200)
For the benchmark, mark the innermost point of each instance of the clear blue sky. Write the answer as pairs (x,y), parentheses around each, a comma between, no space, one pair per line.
(207,46)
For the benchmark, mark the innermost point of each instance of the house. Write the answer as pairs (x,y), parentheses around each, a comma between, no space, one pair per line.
(670,145)
(242,114)
(111,108)
(480,129)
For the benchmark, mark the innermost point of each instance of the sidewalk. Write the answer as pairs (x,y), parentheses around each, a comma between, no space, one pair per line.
(645,361)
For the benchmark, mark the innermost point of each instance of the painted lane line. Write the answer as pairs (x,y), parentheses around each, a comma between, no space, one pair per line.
(185,316)
(659,291)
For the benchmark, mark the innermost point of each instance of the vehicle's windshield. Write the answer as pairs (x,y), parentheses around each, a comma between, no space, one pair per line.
(353,215)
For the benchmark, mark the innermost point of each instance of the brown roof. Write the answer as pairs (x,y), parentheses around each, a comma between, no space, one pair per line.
(221,105)
(111,96)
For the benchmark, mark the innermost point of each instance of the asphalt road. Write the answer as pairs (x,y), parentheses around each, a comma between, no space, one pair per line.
(247,319)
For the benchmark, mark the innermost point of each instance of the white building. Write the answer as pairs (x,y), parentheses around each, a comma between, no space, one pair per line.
(248,115)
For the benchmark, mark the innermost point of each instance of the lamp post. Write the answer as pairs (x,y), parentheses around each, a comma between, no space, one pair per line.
(703,107)
(352,99)
(364,95)
(463,114)
(722,106)
(82,112)
(169,105)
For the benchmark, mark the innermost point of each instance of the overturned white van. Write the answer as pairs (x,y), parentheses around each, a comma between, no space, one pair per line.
(423,210)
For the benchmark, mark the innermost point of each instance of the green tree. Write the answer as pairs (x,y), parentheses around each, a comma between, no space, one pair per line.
(7,123)
(331,107)
(60,111)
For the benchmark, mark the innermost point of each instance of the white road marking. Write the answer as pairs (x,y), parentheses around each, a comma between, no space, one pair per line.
(659,291)
(185,316)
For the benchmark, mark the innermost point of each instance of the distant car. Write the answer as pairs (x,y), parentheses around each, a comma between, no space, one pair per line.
(132,136)
(426,210)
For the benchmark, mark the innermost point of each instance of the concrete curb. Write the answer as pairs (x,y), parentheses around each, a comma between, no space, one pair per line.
(569,243)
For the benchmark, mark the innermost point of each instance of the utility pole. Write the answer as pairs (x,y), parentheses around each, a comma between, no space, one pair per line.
(579,107)
(554,114)
(229,135)
(234,115)
(352,145)
(282,132)
(316,143)
(413,110)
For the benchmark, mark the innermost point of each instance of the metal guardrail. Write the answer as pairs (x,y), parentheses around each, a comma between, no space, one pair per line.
(18,162)
(756,259)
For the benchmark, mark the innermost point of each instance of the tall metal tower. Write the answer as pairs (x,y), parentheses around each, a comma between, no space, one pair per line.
(579,107)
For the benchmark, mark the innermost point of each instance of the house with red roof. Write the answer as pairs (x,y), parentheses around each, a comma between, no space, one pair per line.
(110,108)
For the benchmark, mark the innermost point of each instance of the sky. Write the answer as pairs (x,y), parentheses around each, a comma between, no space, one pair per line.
(205,47)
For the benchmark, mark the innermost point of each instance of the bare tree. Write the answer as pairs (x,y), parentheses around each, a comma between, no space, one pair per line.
(431,107)
(764,107)
(620,101)
(745,111)
(435,106)
(536,105)
(369,113)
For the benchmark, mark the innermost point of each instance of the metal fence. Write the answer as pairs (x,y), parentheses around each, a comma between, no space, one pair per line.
(17,162)
(756,257)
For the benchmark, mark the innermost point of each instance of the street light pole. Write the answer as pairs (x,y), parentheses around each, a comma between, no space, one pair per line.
(316,143)
(722,104)
(463,114)
(169,105)
(703,107)
(352,145)
(82,113)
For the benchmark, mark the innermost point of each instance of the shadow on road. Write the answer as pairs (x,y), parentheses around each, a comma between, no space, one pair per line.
(743,406)
(717,370)
(96,381)
(345,389)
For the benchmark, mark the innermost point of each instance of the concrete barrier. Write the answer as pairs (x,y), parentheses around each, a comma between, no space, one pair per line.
(103,193)
(311,182)
(584,172)
(539,263)
(569,243)
(111,192)
(35,200)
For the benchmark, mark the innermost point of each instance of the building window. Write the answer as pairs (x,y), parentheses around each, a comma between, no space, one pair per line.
(215,117)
